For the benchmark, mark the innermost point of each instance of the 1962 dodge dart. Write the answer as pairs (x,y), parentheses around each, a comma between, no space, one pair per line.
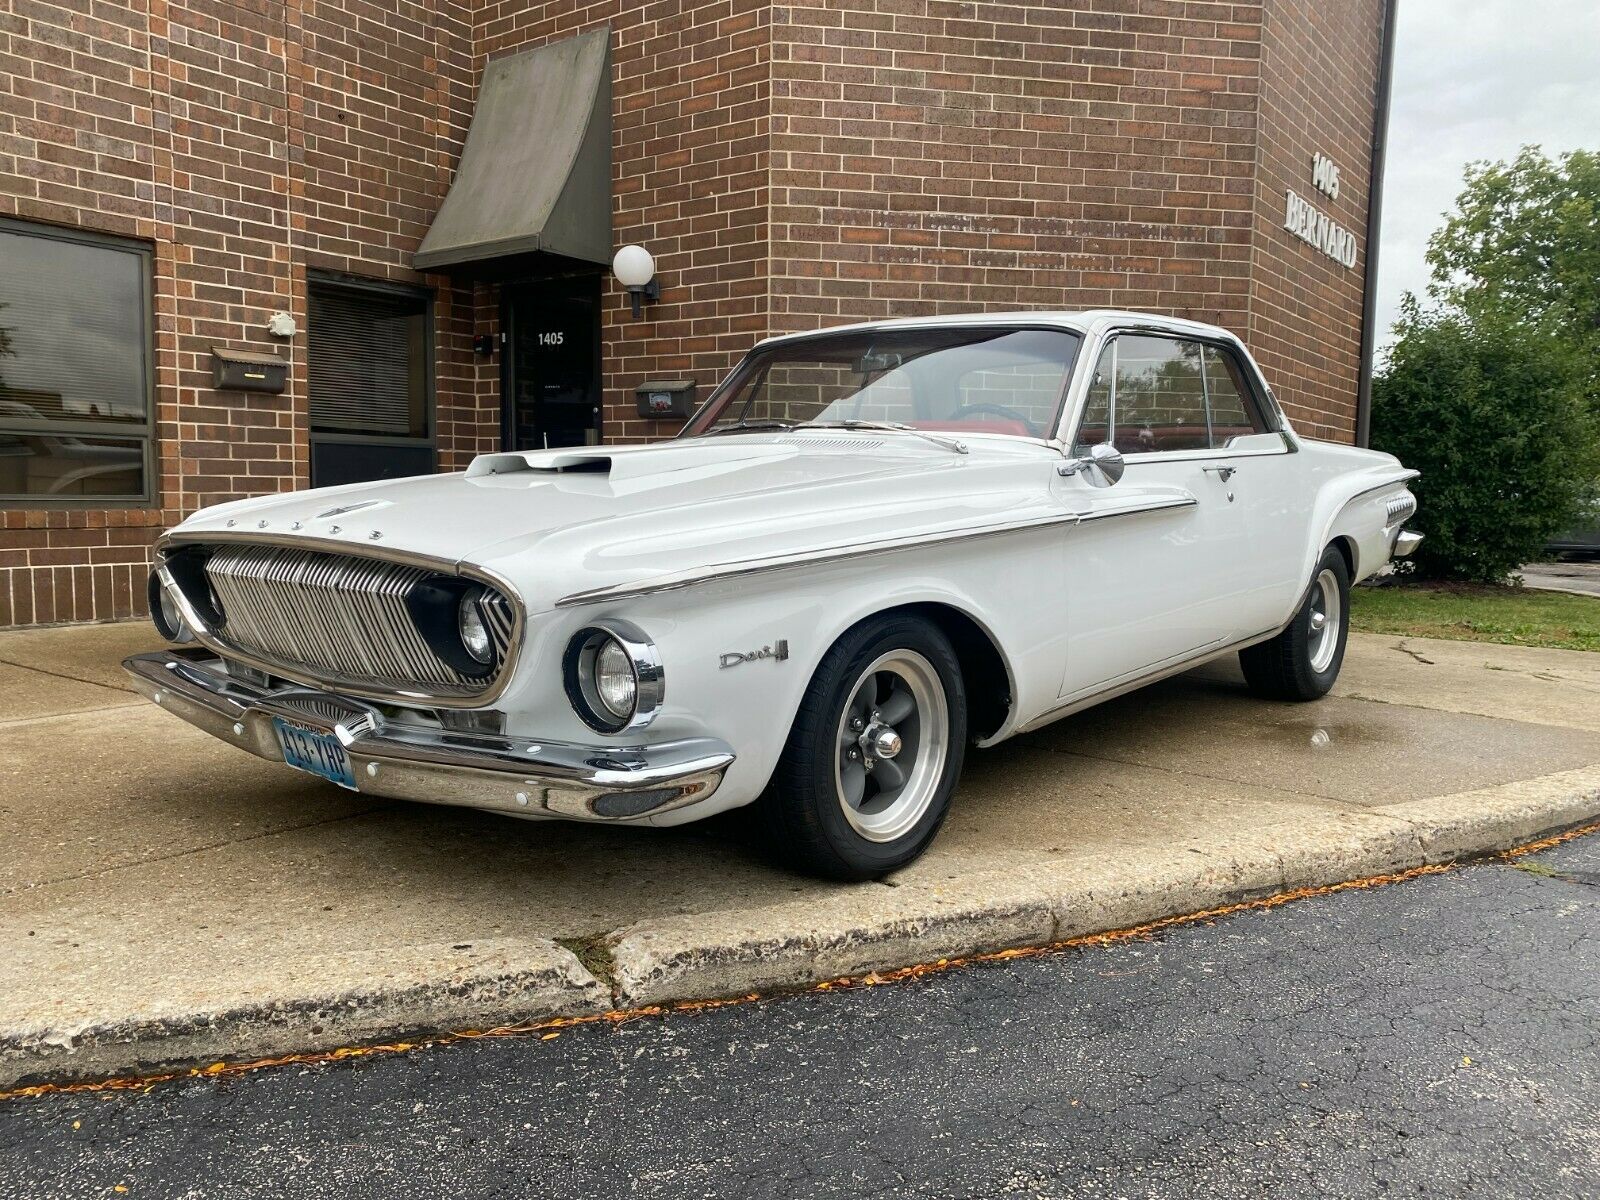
(871,547)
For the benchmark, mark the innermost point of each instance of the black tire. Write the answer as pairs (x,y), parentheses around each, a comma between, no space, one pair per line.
(1295,665)
(804,808)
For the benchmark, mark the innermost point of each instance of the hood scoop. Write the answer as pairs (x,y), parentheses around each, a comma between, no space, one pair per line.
(678,459)
(543,463)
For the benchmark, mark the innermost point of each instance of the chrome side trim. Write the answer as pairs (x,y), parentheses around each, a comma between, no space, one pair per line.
(849,550)
(508,621)
(513,775)
(1403,477)
(1155,675)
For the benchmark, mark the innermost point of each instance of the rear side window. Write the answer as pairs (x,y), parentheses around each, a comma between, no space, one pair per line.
(1153,395)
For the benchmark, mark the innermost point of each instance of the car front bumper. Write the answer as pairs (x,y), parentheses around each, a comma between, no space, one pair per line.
(515,775)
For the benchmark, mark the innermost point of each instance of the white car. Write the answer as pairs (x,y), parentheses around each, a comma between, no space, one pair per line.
(871,547)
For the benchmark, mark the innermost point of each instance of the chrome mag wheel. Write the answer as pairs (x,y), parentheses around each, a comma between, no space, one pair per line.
(1323,642)
(893,740)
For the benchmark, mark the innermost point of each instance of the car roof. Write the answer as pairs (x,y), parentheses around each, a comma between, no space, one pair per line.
(1084,321)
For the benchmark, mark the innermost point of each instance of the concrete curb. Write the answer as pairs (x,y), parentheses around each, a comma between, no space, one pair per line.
(917,917)
(921,921)
(427,988)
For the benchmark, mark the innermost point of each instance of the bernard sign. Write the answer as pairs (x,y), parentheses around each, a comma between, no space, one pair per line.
(1316,228)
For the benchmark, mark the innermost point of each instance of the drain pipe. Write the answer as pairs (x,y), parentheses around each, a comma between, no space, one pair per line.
(1369,298)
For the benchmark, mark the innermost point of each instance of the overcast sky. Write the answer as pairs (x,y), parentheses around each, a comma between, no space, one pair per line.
(1477,79)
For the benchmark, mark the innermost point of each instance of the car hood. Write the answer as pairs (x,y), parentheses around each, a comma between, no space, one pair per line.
(555,523)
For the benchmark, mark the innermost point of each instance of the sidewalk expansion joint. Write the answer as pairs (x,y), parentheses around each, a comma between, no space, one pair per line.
(110,687)
(14,722)
(192,850)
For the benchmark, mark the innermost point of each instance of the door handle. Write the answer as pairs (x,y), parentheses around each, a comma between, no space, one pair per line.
(1223,473)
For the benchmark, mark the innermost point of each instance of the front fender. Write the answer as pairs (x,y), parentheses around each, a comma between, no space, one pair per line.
(740,654)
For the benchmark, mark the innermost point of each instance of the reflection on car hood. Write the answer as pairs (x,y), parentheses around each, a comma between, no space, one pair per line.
(562,521)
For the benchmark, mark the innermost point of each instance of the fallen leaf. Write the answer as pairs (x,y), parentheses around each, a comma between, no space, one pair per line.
(547,1037)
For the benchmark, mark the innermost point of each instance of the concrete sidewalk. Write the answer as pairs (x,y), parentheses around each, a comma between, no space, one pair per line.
(164,897)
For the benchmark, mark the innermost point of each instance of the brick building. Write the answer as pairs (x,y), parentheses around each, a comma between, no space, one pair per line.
(182,182)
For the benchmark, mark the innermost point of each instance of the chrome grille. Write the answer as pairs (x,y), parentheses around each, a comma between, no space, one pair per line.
(340,619)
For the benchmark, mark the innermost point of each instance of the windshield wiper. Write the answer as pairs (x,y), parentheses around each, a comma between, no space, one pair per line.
(743,426)
(952,444)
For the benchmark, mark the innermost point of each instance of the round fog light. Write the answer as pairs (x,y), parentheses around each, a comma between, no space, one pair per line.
(474,633)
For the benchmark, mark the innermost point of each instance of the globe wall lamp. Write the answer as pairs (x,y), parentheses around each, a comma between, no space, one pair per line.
(635,270)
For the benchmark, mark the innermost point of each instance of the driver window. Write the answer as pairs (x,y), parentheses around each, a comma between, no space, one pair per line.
(1157,394)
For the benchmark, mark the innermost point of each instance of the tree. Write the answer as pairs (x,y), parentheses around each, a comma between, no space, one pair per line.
(1490,408)
(1525,240)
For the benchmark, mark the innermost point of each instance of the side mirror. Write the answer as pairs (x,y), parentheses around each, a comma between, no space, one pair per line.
(1101,467)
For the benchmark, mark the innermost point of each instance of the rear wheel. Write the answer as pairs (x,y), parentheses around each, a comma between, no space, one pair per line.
(866,776)
(1303,661)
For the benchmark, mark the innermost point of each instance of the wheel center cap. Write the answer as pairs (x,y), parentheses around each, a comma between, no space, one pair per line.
(884,742)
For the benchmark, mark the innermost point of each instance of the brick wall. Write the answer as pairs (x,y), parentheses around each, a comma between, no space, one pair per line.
(249,144)
(947,156)
(690,92)
(1319,72)
(790,166)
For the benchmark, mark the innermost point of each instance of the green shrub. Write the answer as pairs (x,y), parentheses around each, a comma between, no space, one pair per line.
(1493,414)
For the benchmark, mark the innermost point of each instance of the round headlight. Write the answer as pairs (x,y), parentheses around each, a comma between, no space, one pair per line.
(474,633)
(613,676)
(614,682)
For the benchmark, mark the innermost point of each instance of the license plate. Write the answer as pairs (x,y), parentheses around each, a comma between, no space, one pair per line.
(320,754)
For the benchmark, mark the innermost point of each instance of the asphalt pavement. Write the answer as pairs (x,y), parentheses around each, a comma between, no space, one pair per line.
(1578,575)
(1436,1037)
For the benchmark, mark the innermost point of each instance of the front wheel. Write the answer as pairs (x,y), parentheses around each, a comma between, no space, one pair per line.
(1303,661)
(866,775)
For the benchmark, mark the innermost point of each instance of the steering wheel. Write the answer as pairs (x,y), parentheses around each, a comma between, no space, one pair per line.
(998,410)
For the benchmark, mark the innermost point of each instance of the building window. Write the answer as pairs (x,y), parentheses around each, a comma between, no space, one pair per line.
(75,368)
(370,377)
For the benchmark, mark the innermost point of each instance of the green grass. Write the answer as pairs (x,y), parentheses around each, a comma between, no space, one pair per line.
(1511,615)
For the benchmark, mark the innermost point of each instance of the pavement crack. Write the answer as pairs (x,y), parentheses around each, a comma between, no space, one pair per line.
(594,953)
(1192,773)
(1405,649)
(187,851)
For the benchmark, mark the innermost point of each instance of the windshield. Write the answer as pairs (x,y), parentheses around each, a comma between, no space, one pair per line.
(974,380)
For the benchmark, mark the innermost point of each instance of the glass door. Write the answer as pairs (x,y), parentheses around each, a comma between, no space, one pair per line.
(552,393)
